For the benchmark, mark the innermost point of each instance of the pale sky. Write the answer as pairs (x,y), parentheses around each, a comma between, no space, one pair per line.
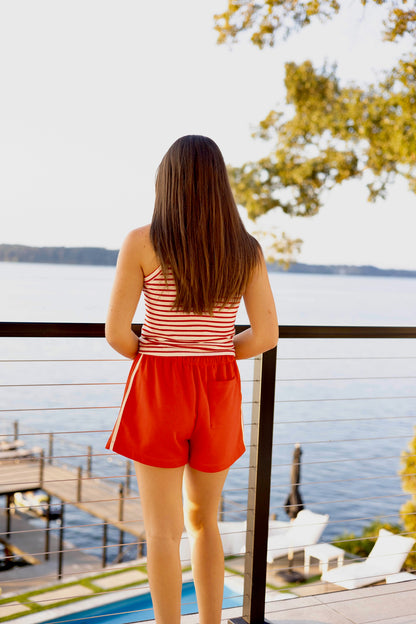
(93,92)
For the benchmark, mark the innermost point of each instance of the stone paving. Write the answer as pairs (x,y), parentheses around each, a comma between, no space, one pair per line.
(12,608)
(63,593)
(118,580)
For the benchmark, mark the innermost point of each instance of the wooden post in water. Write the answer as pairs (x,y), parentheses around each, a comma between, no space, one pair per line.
(128,476)
(79,484)
(41,467)
(50,451)
(89,461)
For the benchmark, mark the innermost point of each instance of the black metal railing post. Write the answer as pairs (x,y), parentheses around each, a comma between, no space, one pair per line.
(259,494)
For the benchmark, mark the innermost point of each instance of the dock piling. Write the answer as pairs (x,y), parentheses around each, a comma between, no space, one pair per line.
(79,484)
(128,475)
(50,448)
(89,460)
(41,468)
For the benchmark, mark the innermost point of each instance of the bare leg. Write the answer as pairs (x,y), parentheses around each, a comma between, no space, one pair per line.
(203,494)
(161,498)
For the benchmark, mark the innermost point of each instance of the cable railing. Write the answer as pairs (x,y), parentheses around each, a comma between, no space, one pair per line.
(350,410)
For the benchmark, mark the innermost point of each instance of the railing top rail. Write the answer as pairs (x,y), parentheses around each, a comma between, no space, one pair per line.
(12,329)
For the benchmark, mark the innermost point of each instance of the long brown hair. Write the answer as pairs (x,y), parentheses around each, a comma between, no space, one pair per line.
(196,230)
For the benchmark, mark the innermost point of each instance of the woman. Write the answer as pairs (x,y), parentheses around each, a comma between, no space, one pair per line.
(180,419)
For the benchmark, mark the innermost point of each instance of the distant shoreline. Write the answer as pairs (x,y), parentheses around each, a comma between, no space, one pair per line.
(99,256)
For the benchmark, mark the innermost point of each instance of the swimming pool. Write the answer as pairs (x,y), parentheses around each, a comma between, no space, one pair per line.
(139,608)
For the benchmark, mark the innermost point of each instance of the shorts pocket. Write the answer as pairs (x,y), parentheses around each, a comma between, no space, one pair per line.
(224,399)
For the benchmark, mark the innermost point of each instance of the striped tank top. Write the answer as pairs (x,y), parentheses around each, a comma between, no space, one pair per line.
(170,332)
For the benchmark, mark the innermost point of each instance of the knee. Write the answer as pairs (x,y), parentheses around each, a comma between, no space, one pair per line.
(197,521)
(166,531)
(164,539)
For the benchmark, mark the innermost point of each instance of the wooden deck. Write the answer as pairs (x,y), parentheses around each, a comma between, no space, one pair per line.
(94,496)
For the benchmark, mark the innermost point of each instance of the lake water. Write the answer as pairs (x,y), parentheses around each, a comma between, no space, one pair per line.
(350,403)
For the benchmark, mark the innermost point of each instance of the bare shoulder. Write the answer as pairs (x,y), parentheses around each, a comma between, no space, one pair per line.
(137,248)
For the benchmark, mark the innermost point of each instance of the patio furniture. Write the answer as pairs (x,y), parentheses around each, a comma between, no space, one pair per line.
(385,559)
(324,553)
(233,536)
(400,577)
(289,537)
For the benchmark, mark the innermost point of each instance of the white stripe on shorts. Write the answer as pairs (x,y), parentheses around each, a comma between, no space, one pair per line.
(126,396)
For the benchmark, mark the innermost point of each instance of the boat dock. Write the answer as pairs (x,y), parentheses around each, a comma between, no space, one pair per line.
(114,505)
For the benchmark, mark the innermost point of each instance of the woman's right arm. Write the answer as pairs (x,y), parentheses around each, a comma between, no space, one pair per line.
(263,333)
(125,295)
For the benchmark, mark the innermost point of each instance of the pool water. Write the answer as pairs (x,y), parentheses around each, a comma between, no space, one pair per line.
(139,608)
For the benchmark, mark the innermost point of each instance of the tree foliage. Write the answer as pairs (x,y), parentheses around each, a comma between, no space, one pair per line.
(328,132)
(408,509)
(335,133)
(267,19)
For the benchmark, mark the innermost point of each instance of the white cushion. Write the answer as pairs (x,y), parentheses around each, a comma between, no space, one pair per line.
(353,575)
(390,551)
(305,530)
(387,557)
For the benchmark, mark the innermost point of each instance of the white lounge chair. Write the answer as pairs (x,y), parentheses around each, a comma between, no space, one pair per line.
(284,537)
(233,536)
(289,537)
(386,558)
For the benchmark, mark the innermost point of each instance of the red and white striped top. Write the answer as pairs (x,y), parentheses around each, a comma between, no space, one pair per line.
(170,332)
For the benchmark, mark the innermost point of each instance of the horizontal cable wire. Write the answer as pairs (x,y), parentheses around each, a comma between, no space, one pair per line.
(64,385)
(372,398)
(99,571)
(81,407)
(335,440)
(279,380)
(109,523)
(58,409)
(279,358)
(342,460)
(105,383)
(347,357)
(70,574)
(2,361)
(45,433)
(374,478)
(341,420)
(277,422)
(109,592)
(355,499)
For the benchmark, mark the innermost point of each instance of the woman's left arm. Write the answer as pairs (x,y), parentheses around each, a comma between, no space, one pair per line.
(125,295)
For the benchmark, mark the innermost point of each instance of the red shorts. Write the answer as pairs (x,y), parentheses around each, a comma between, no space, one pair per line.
(180,410)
